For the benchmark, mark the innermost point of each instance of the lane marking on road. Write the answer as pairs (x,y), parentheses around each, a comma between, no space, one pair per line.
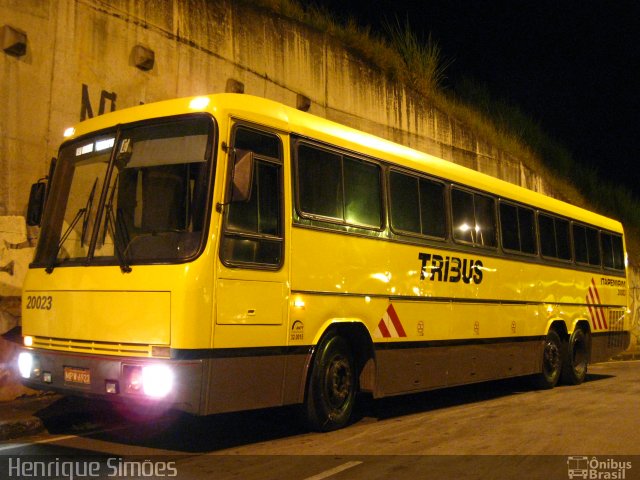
(62,438)
(604,364)
(48,440)
(334,471)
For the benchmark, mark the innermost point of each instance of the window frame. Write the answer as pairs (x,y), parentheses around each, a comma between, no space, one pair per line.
(555,217)
(473,192)
(537,253)
(225,232)
(418,176)
(334,222)
(586,227)
(613,235)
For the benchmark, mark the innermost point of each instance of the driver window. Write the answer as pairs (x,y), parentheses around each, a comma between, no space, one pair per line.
(253,235)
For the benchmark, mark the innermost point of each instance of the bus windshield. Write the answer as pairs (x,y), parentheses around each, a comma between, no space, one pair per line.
(129,196)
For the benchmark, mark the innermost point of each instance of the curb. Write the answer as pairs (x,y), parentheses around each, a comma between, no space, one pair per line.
(24,416)
(627,356)
(11,429)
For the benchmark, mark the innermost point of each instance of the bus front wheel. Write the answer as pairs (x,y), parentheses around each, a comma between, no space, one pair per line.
(574,368)
(331,391)
(551,361)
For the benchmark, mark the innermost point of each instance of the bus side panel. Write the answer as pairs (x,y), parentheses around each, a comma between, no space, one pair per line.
(607,344)
(403,370)
(244,382)
(490,361)
(424,367)
(252,382)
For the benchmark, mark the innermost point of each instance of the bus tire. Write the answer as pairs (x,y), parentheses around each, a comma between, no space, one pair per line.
(332,386)
(551,362)
(574,366)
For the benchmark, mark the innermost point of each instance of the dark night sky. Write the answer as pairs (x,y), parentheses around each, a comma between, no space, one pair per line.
(569,65)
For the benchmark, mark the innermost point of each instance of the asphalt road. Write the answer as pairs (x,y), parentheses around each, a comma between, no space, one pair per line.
(496,430)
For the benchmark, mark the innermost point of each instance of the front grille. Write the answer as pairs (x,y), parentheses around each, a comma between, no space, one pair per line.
(88,346)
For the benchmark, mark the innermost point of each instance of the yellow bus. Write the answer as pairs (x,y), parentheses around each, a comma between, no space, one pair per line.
(227,252)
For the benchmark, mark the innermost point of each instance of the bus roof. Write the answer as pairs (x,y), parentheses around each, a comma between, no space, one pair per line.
(288,119)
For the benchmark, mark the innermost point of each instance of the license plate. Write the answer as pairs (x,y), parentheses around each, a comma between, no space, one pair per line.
(80,376)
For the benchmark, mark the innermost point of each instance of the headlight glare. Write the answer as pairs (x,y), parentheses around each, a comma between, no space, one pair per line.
(157,380)
(25,364)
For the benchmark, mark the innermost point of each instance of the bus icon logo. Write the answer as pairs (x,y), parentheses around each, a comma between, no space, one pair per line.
(578,467)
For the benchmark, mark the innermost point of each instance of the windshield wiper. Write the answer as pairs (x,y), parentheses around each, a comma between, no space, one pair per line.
(87,212)
(82,212)
(120,235)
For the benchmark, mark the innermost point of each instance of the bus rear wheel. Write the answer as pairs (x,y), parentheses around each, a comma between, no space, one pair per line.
(331,391)
(574,366)
(551,361)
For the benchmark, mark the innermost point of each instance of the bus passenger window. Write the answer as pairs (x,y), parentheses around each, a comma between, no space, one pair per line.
(509,226)
(319,174)
(580,244)
(463,217)
(554,237)
(586,245)
(432,208)
(485,228)
(612,251)
(547,236)
(337,188)
(562,238)
(593,246)
(473,218)
(527,229)
(518,228)
(362,193)
(417,205)
(405,209)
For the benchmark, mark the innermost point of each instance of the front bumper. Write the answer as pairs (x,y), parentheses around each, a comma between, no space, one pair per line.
(108,377)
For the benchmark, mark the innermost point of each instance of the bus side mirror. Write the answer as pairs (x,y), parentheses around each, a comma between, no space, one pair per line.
(37,197)
(242,175)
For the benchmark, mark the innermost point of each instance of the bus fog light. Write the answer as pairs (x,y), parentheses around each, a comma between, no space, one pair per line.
(25,363)
(157,380)
(46,377)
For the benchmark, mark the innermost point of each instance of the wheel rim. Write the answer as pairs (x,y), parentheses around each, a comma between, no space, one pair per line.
(579,355)
(552,359)
(338,382)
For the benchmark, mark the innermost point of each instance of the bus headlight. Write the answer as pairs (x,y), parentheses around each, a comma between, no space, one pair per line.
(25,364)
(157,380)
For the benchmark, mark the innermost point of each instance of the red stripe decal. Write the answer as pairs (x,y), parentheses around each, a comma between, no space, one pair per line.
(593,316)
(604,318)
(396,321)
(600,309)
(595,289)
(593,309)
(383,329)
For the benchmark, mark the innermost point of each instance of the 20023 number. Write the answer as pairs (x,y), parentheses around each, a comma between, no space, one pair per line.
(39,302)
